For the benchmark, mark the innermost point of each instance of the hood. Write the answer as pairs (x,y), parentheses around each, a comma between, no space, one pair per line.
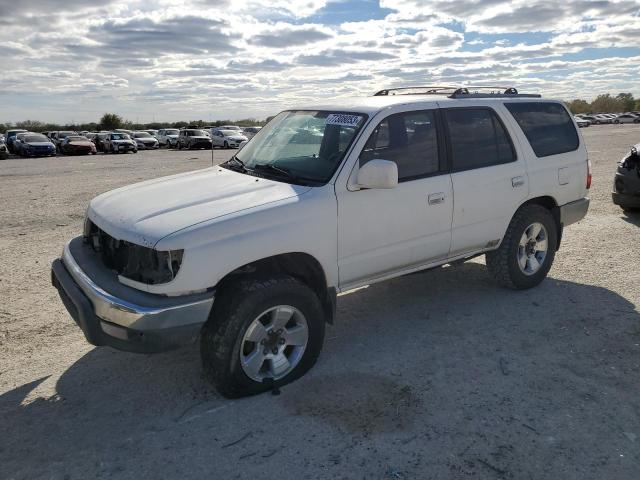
(39,144)
(146,212)
(201,137)
(122,141)
(83,143)
(237,137)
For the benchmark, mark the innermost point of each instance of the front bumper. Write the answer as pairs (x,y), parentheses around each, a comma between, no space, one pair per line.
(113,314)
(574,211)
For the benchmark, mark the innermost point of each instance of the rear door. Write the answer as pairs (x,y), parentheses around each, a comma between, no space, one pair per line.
(489,178)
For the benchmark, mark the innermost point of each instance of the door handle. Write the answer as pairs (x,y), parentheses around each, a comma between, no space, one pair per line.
(436,198)
(517,182)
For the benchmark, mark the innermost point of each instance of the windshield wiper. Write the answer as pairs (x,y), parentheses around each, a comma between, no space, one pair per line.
(238,162)
(283,172)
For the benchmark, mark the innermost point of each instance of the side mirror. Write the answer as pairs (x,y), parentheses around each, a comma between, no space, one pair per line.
(378,174)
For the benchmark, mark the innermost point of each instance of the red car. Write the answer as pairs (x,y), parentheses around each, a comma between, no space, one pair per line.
(77,145)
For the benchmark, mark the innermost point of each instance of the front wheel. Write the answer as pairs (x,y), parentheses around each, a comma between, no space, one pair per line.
(260,334)
(527,249)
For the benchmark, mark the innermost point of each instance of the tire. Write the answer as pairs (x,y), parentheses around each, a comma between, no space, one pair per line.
(616,121)
(226,145)
(630,210)
(504,264)
(236,309)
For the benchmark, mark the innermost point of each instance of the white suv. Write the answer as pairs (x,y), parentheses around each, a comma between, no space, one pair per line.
(248,256)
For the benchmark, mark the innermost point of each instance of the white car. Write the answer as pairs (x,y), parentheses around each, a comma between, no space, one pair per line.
(602,118)
(168,137)
(229,127)
(626,118)
(145,141)
(247,257)
(226,138)
(581,121)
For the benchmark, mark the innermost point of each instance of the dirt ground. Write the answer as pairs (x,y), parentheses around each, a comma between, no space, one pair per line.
(439,375)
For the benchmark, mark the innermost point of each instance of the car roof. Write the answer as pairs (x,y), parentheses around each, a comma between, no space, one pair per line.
(374,104)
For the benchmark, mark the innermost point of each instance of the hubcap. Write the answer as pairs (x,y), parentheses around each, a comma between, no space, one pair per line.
(532,249)
(274,343)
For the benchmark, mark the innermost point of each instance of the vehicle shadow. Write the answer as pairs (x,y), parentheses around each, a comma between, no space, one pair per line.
(443,356)
(632,217)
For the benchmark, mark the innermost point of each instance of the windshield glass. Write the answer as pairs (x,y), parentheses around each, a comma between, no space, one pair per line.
(228,132)
(119,136)
(309,145)
(172,132)
(195,133)
(35,138)
(141,135)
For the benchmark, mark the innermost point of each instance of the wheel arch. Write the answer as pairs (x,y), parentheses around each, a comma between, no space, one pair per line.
(550,204)
(301,266)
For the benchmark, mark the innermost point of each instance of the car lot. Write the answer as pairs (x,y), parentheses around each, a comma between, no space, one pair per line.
(434,375)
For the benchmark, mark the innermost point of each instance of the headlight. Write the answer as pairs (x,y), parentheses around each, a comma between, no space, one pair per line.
(132,261)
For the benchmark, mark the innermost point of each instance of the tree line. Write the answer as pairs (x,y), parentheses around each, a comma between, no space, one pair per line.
(111,121)
(606,103)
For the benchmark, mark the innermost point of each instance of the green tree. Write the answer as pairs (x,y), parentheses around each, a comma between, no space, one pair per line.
(110,121)
(579,106)
(627,102)
(606,104)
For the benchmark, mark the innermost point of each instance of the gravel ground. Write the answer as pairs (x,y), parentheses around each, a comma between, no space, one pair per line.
(435,375)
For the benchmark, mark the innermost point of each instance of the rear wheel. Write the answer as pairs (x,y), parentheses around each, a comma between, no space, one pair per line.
(261,333)
(226,144)
(527,249)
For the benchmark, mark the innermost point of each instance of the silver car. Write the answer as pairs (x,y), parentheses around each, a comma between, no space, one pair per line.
(227,138)
(626,118)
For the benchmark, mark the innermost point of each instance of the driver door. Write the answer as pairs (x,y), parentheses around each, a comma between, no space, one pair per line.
(385,231)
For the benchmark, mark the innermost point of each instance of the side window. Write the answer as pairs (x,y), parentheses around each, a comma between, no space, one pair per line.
(478,139)
(408,139)
(547,126)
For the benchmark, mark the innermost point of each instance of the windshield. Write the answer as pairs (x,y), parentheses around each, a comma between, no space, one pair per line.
(228,132)
(172,132)
(35,138)
(195,133)
(308,145)
(141,135)
(119,136)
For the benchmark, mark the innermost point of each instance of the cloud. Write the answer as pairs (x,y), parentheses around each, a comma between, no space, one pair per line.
(237,58)
(288,36)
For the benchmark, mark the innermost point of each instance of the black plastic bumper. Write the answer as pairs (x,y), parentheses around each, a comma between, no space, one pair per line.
(626,201)
(81,310)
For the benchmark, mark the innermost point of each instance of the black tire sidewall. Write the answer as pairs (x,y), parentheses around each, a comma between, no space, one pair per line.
(519,278)
(230,320)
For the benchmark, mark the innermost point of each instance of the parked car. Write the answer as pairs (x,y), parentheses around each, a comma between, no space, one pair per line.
(601,119)
(230,127)
(10,136)
(4,152)
(117,142)
(249,132)
(58,137)
(626,118)
(101,141)
(152,132)
(590,118)
(226,138)
(17,142)
(626,184)
(192,138)
(145,141)
(248,257)
(582,122)
(168,137)
(36,145)
(77,145)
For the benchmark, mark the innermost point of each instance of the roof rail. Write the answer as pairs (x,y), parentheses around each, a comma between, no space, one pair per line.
(458,92)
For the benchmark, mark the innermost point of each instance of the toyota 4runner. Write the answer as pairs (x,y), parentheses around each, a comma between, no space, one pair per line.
(248,256)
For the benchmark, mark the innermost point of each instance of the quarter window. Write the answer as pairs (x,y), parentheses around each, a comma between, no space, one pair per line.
(408,139)
(547,126)
(478,139)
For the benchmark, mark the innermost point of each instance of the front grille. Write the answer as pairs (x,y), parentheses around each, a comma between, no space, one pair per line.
(135,262)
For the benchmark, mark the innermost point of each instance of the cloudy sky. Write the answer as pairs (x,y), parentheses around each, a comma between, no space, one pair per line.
(166,60)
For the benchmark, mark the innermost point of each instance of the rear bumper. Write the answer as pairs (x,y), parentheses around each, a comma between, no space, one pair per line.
(574,211)
(626,201)
(122,317)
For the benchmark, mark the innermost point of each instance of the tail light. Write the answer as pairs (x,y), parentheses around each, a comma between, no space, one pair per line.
(589,176)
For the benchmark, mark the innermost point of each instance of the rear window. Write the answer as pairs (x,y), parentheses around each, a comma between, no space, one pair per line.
(547,126)
(478,139)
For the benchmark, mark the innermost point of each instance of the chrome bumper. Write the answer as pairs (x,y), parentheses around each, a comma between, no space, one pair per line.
(132,308)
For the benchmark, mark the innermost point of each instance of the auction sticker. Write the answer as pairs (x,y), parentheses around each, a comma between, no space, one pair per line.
(343,119)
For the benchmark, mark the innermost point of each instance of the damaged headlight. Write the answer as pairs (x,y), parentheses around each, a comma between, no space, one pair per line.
(133,261)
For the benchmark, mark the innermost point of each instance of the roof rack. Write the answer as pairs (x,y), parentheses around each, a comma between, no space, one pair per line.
(458,92)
